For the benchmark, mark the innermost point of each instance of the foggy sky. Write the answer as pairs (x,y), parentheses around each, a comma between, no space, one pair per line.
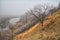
(19,7)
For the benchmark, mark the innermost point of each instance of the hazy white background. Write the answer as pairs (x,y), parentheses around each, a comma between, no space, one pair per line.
(19,7)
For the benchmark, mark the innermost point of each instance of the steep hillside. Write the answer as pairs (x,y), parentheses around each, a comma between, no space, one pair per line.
(49,31)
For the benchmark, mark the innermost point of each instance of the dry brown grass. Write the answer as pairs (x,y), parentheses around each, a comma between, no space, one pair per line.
(50,30)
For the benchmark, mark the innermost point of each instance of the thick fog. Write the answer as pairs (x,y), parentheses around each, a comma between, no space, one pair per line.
(19,7)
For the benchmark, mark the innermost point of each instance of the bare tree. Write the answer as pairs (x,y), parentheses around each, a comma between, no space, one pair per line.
(41,11)
(12,32)
(0,35)
(59,5)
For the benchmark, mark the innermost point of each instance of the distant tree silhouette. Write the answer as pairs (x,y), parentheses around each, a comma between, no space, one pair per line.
(59,5)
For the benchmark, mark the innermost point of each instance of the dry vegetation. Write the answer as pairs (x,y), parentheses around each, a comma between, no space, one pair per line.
(49,31)
(40,23)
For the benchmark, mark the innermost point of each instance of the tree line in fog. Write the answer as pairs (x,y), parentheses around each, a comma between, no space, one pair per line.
(30,18)
(37,14)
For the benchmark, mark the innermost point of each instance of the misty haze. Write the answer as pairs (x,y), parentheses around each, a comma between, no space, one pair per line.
(29,19)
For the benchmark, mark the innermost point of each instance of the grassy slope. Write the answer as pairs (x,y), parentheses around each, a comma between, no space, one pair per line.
(50,30)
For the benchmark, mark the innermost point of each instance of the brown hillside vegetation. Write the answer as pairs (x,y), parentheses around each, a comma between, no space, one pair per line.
(49,31)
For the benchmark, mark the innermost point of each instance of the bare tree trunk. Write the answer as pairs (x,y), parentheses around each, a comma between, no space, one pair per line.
(0,36)
(12,34)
